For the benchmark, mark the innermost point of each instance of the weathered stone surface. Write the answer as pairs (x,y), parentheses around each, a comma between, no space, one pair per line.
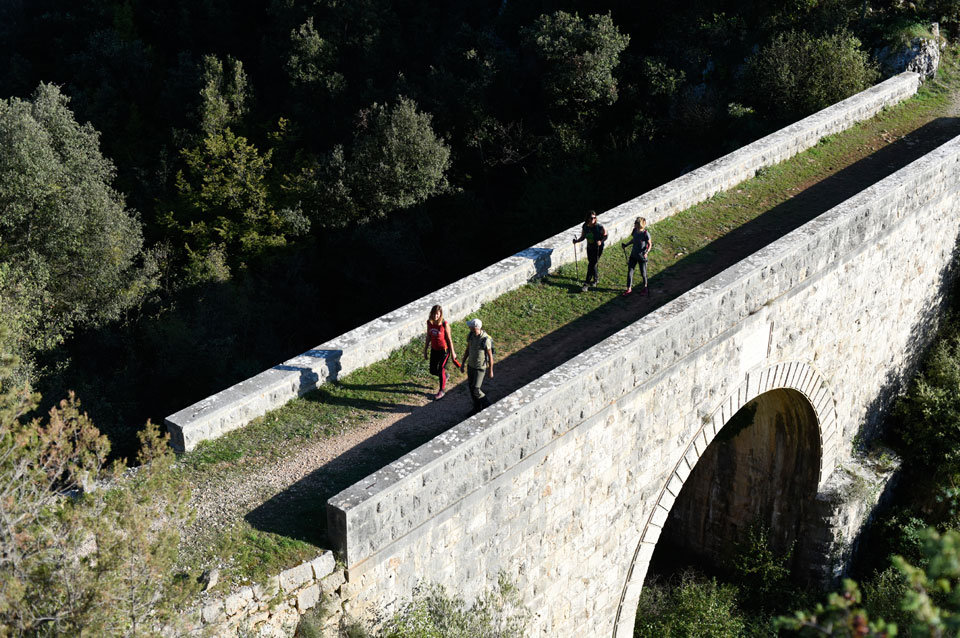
(333,582)
(267,590)
(238,601)
(921,56)
(212,612)
(323,565)
(238,405)
(307,598)
(210,578)
(296,577)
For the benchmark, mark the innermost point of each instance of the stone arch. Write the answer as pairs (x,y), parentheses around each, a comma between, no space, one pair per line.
(800,376)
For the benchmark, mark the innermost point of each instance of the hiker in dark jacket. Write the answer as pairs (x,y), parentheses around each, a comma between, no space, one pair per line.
(595,235)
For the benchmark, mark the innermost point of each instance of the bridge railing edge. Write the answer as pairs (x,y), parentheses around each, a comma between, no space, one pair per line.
(239,404)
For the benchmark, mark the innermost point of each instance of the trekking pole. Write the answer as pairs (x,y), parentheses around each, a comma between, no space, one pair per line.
(576,259)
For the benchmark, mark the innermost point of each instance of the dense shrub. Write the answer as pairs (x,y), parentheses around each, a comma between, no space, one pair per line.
(695,608)
(797,73)
(434,613)
(929,413)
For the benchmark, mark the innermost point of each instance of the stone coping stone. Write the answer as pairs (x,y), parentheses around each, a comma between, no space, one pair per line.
(239,404)
(385,507)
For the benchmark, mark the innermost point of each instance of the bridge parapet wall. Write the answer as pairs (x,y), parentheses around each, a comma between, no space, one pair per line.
(241,403)
(593,442)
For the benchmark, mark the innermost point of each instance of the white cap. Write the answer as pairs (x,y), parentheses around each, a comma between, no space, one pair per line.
(475,323)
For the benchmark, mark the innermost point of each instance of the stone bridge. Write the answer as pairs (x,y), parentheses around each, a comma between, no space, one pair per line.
(737,403)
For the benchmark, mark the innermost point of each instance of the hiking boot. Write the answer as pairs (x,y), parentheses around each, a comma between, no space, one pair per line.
(439,395)
(585,288)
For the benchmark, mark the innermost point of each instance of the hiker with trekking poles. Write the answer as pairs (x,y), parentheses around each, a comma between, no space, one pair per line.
(642,243)
(440,345)
(595,235)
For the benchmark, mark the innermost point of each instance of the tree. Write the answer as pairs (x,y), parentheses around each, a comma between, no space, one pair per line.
(225,96)
(580,56)
(310,59)
(224,199)
(931,597)
(396,160)
(68,244)
(797,73)
(84,548)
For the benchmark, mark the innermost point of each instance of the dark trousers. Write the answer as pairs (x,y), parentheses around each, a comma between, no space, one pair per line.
(475,381)
(636,260)
(438,365)
(593,257)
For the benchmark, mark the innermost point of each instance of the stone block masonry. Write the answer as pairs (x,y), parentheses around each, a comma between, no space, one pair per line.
(566,483)
(239,404)
(273,609)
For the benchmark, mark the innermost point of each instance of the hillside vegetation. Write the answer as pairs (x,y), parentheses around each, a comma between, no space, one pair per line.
(191,192)
(255,163)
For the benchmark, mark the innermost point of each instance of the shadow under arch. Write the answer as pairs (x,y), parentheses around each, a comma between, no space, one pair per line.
(807,384)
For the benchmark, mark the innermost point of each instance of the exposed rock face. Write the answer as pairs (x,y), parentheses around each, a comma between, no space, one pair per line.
(922,56)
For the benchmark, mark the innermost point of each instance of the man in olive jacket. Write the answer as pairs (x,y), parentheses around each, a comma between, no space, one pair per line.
(478,358)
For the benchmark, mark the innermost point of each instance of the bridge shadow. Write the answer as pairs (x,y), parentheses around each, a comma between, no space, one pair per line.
(300,511)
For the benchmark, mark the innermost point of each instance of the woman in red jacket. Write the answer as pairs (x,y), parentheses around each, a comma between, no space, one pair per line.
(438,346)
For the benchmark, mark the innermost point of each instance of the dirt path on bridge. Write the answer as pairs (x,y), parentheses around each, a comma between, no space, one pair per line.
(288,496)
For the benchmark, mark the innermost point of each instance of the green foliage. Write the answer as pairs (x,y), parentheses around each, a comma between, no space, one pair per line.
(695,608)
(224,199)
(84,549)
(929,598)
(433,613)
(311,58)
(933,589)
(798,73)
(842,616)
(763,572)
(929,413)
(225,96)
(883,594)
(395,161)
(68,244)
(580,56)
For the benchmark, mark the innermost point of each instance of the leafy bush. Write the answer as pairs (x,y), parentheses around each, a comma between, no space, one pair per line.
(761,571)
(929,413)
(580,56)
(696,608)
(928,598)
(797,73)
(434,614)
